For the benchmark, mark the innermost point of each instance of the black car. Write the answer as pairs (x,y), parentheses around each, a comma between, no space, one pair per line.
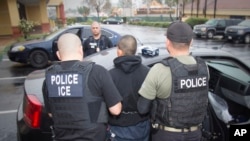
(228,86)
(111,21)
(38,53)
(214,27)
(239,33)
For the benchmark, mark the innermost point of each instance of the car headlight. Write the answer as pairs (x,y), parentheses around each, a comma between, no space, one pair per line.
(240,31)
(18,48)
(203,29)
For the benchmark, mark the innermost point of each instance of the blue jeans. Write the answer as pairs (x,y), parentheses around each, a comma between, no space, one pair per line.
(138,132)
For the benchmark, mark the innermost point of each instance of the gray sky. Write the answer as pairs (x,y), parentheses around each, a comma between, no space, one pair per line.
(73,4)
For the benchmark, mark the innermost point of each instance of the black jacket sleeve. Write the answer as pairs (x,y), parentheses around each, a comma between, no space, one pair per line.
(144,105)
(45,97)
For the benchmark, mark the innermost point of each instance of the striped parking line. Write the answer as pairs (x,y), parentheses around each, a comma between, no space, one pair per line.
(5,59)
(11,78)
(8,112)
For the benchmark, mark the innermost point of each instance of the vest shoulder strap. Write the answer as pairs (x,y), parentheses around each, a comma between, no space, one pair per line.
(166,61)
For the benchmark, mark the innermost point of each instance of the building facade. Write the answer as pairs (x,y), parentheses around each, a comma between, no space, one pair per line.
(217,9)
(12,11)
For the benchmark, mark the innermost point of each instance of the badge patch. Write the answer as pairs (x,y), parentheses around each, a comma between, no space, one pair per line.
(65,85)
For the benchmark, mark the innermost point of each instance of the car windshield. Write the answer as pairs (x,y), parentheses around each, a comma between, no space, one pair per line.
(211,22)
(245,23)
(54,34)
(111,19)
(230,69)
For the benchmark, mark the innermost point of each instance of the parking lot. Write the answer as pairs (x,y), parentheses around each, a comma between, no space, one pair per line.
(12,74)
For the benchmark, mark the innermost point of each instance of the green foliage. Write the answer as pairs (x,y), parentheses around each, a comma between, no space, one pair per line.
(194,21)
(83,10)
(153,24)
(71,21)
(59,22)
(26,27)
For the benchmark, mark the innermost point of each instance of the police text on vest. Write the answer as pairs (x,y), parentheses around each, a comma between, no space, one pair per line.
(193,82)
(64,82)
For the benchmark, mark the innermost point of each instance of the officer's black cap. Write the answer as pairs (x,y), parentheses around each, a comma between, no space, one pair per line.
(179,32)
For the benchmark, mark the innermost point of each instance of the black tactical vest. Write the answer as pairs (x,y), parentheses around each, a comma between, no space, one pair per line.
(188,101)
(100,42)
(72,104)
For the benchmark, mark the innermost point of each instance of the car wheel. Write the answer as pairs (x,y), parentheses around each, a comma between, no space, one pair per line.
(198,36)
(247,38)
(210,34)
(38,59)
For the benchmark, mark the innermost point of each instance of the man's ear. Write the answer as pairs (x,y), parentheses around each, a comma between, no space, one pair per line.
(167,43)
(119,52)
(58,55)
(169,46)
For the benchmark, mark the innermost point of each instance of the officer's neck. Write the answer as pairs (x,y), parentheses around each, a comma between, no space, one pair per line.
(71,58)
(175,53)
(96,37)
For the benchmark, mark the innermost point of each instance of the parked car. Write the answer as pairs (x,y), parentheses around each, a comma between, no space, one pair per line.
(111,21)
(228,84)
(239,33)
(38,53)
(214,27)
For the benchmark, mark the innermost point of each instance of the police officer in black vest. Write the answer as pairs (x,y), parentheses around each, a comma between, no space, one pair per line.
(97,42)
(177,90)
(77,94)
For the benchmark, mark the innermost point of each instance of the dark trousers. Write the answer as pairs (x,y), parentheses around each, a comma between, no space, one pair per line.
(161,135)
(97,133)
(138,132)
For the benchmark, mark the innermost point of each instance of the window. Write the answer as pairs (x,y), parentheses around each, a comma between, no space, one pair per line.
(107,33)
(222,23)
(86,33)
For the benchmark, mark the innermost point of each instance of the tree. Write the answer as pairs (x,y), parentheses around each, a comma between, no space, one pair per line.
(96,5)
(198,8)
(83,10)
(205,9)
(26,27)
(107,7)
(183,6)
(192,8)
(215,7)
(148,5)
(172,3)
(125,4)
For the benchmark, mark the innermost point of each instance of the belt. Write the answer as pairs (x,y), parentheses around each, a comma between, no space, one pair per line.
(172,129)
(129,112)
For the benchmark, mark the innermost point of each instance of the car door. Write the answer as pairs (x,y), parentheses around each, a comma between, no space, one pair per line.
(220,27)
(229,97)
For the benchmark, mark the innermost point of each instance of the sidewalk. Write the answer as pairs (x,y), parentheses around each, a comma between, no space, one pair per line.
(4,42)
